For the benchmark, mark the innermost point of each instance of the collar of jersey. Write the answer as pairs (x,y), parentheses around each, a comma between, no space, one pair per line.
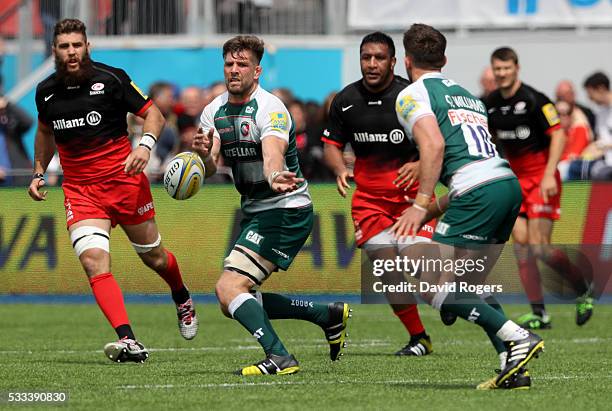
(432,74)
(245,101)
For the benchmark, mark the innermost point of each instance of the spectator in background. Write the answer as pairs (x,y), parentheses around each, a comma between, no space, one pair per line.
(14,122)
(162,94)
(597,86)
(314,130)
(314,117)
(298,114)
(579,135)
(487,82)
(187,127)
(285,95)
(191,102)
(565,92)
(213,91)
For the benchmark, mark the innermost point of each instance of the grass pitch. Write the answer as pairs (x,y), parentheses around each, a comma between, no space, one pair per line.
(59,348)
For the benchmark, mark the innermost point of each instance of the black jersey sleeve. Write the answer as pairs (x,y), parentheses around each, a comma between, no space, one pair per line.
(40,104)
(545,114)
(334,134)
(129,95)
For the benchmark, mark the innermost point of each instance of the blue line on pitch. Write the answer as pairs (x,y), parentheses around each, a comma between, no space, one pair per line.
(212,299)
(154,298)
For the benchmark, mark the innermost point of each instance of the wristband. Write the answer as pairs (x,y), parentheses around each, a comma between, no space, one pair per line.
(272,177)
(148,140)
(418,207)
(38,175)
(422,202)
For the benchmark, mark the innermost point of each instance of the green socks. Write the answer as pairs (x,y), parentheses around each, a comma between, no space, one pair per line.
(470,307)
(497,343)
(247,311)
(279,307)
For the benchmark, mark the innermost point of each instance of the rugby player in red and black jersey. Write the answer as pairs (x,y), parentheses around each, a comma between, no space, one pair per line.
(526,126)
(82,110)
(363,115)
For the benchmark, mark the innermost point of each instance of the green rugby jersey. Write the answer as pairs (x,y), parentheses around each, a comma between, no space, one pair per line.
(240,129)
(470,157)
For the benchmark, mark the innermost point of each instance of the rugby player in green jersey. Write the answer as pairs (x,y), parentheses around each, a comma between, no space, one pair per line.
(449,125)
(253,131)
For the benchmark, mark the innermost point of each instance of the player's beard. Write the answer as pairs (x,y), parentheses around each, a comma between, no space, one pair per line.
(74,78)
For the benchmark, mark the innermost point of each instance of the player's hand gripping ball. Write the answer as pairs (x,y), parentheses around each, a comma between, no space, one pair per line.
(184,175)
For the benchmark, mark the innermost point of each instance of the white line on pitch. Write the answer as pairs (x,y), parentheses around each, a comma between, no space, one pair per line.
(179,349)
(361,344)
(336,382)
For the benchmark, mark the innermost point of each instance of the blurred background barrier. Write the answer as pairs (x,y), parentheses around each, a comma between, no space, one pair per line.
(36,256)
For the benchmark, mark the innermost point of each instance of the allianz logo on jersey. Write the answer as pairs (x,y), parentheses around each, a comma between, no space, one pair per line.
(92,118)
(396,136)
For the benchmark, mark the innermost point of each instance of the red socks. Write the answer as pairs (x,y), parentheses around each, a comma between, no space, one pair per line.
(109,298)
(530,277)
(411,320)
(558,261)
(172,274)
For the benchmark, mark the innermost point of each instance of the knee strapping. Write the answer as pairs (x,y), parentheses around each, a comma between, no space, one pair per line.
(87,237)
(243,263)
(145,248)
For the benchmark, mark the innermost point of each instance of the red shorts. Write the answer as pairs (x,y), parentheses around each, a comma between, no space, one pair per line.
(373,214)
(533,205)
(123,200)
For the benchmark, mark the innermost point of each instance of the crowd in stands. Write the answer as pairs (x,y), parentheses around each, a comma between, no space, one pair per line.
(587,155)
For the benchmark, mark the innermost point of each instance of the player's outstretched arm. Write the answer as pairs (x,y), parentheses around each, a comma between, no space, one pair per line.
(138,159)
(279,179)
(334,160)
(44,148)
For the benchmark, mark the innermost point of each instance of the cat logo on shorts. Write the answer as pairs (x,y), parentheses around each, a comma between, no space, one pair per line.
(253,237)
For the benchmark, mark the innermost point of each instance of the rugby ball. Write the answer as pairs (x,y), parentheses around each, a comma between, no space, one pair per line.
(184,175)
